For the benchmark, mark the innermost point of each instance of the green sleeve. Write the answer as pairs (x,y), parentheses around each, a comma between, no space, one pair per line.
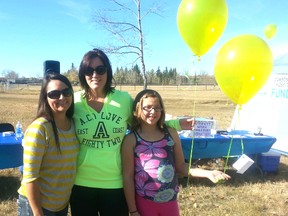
(174,124)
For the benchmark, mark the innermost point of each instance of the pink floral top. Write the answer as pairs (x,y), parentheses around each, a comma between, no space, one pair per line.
(155,175)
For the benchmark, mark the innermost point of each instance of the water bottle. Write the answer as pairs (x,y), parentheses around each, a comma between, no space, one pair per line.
(18,130)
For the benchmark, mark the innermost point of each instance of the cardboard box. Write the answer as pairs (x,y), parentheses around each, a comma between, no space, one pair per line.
(269,161)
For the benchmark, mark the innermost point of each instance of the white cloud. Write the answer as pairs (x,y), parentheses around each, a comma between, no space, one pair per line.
(80,11)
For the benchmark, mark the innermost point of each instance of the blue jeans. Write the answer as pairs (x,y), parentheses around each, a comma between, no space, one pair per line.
(24,209)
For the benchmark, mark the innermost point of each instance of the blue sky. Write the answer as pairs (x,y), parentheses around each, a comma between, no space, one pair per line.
(32,31)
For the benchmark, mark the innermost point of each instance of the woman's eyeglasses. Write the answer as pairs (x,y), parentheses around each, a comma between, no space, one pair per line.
(150,108)
(100,70)
(55,94)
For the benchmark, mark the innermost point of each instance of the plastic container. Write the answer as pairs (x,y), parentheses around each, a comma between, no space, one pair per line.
(18,130)
(269,162)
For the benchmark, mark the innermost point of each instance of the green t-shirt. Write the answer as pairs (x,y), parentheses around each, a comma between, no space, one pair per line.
(100,136)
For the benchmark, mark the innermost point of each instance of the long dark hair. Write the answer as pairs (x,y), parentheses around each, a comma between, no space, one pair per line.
(96,53)
(44,110)
(137,109)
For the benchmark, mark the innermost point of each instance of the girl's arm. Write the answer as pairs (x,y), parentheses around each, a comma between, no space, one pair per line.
(33,195)
(34,149)
(214,175)
(181,124)
(183,168)
(127,154)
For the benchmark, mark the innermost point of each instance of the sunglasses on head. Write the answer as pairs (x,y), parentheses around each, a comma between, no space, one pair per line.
(56,94)
(100,70)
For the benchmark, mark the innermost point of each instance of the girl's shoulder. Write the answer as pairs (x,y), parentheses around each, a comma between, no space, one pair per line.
(173,132)
(40,125)
(40,122)
(130,139)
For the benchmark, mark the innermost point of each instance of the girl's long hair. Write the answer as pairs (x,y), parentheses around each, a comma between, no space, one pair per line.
(44,110)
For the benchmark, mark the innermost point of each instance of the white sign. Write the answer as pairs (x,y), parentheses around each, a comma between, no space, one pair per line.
(203,127)
(267,112)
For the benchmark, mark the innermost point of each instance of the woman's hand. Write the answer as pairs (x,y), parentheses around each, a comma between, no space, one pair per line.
(217,176)
(187,123)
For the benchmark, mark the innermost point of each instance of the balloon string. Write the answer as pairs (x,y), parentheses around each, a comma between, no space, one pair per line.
(190,159)
(238,116)
(231,141)
(193,134)
(239,108)
(239,123)
(228,154)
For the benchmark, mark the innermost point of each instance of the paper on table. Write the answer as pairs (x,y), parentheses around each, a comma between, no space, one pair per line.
(243,163)
(7,133)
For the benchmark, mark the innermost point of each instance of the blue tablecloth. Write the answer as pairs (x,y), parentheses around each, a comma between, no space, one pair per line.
(218,145)
(11,151)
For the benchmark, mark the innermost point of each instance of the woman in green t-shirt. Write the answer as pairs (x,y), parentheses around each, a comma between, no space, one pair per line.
(101,117)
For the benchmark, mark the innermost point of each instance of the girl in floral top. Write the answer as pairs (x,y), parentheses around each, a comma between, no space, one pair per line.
(151,157)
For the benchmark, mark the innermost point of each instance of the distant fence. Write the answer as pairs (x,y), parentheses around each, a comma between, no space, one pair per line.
(4,87)
(171,87)
(36,87)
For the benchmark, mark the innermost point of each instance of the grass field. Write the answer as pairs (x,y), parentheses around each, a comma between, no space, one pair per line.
(247,194)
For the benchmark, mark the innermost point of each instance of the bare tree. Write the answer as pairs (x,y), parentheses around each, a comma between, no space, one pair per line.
(128,32)
(10,74)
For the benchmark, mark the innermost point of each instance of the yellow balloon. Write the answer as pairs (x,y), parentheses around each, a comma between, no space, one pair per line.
(242,67)
(270,30)
(201,23)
